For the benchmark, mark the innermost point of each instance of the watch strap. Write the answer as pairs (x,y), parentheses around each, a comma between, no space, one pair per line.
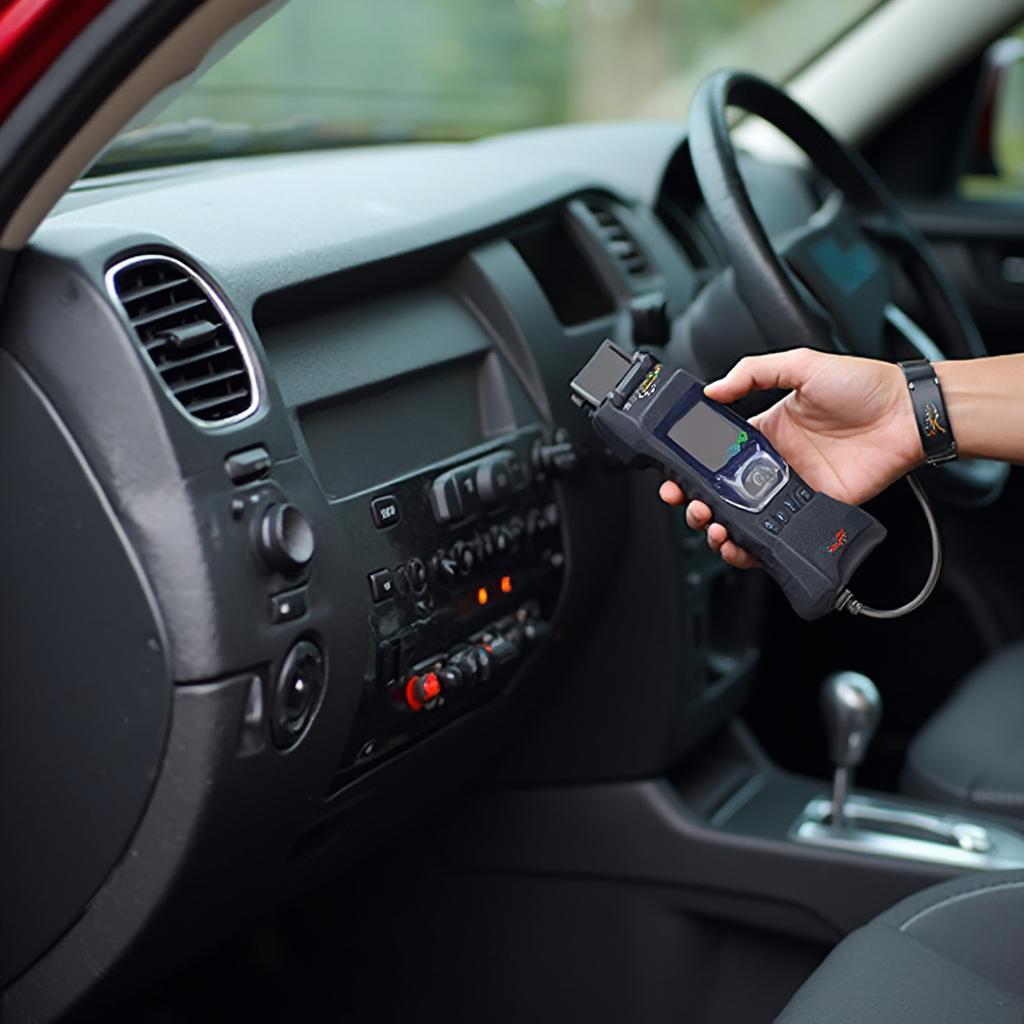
(930,414)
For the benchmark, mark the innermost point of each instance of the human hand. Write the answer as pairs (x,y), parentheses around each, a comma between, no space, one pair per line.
(847,427)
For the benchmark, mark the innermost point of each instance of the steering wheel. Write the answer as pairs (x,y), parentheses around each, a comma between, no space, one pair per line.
(828,284)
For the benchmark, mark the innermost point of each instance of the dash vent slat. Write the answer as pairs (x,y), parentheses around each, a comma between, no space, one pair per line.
(617,240)
(177,309)
(206,371)
(153,289)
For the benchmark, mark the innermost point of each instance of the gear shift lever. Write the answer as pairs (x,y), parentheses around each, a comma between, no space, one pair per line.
(852,707)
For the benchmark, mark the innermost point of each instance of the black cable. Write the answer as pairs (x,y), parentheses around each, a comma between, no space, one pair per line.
(847,602)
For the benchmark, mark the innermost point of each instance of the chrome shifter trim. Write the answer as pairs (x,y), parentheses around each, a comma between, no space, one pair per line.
(950,839)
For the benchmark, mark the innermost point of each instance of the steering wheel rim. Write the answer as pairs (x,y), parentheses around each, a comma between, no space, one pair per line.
(803,295)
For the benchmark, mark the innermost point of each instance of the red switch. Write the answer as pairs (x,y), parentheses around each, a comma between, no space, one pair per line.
(422,692)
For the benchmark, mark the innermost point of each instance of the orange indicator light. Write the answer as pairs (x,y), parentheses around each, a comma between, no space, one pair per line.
(482,597)
(506,584)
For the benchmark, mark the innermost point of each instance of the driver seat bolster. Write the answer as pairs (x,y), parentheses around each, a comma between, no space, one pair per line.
(969,751)
(950,953)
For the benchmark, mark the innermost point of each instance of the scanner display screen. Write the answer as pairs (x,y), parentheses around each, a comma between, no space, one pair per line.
(708,436)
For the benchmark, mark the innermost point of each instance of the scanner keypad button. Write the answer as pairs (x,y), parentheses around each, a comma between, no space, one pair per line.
(759,476)
(771,526)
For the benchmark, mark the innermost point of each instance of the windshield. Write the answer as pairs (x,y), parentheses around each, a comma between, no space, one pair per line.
(331,72)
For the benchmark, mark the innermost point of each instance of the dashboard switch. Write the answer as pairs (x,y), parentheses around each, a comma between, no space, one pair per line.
(502,539)
(494,482)
(385,511)
(382,586)
(289,606)
(504,650)
(484,659)
(284,538)
(417,573)
(444,567)
(423,692)
(446,499)
(463,556)
(554,459)
(464,660)
(451,678)
(251,464)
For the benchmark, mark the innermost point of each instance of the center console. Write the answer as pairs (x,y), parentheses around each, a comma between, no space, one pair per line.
(469,563)
(441,477)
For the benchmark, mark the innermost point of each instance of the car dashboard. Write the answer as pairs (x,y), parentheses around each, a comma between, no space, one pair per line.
(308,531)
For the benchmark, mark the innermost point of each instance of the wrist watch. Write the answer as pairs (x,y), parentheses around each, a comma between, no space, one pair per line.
(929,411)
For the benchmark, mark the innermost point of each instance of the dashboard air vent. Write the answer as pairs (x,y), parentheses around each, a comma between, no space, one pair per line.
(617,240)
(189,336)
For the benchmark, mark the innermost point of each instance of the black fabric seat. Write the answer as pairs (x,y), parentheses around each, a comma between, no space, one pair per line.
(969,753)
(951,954)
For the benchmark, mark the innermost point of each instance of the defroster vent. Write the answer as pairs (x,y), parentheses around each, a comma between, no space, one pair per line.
(189,336)
(617,240)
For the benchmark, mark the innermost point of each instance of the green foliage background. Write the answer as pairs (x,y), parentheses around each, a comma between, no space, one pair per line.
(464,68)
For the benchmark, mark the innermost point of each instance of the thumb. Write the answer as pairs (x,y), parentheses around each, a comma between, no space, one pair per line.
(759,373)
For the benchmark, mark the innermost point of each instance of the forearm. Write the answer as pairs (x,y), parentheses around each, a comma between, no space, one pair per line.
(985,404)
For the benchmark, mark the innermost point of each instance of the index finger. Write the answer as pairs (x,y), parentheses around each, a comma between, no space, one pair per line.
(759,373)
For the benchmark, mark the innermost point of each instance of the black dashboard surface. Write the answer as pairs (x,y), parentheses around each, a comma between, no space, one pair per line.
(266,223)
(409,349)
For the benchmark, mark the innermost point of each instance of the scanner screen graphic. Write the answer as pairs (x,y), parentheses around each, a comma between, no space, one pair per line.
(710,438)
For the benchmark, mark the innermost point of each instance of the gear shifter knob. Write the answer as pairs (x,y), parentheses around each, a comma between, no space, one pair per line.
(852,707)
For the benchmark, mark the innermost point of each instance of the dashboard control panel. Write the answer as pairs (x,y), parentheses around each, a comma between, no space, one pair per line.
(469,561)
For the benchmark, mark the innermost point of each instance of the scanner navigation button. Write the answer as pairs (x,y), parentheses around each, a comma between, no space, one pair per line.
(759,476)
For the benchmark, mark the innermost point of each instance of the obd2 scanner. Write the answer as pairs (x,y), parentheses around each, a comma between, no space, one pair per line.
(809,543)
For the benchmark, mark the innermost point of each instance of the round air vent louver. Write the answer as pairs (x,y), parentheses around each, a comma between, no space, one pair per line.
(188,336)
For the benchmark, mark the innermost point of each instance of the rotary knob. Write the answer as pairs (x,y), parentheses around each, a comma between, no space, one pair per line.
(417,575)
(554,459)
(444,567)
(463,556)
(494,481)
(450,677)
(502,539)
(284,538)
(297,692)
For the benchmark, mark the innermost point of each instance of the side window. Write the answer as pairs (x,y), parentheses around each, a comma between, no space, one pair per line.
(994,166)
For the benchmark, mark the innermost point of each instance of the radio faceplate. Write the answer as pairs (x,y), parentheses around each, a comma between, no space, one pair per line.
(463,566)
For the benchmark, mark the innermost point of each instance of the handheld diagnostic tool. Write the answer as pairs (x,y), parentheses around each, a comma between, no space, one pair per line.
(809,543)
